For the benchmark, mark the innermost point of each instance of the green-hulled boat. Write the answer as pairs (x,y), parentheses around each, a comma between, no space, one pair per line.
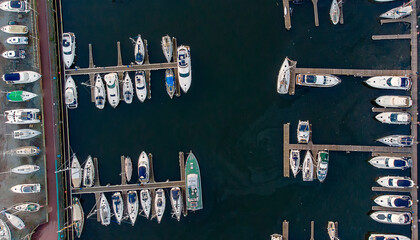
(193,183)
(78,217)
(20,96)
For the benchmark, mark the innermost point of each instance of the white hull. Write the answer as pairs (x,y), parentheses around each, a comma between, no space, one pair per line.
(332,231)
(394,201)
(160,202)
(21,77)
(143,168)
(118,206)
(398,12)
(389,82)
(23,94)
(15,29)
(322,81)
(167,47)
(15,221)
(25,151)
(69,48)
(70,93)
(78,218)
(283,79)
(112,89)
(139,50)
(394,101)
(294,161)
(128,166)
(14,54)
(4,231)
(88,173)
(17,40)
(397,140)
(140,82)
(104,211)
(176,202)
(276,236)
(146,202)
(308,167)
(389,217)
(99,93)
(387,237)
(303,131)
(334,12)
(132,206)
(76,172)
(27,207)
(394,117)
(25,169)
(184,67)
(387,162)
(22,116)
(128,89)
(15,6)
(26,188)
(395,182)
(25,133)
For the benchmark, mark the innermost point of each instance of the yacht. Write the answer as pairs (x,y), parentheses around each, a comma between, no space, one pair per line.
(146,202)
(394,201)
(25,133)
(390,82)
(283,79)
(303,131)
(294,161)
(334,12)
(26,188)
(276,236)
(332,231)
(128,166)
(140,82)
(160,201)
(128,89)
(89,173)
(194,195)
(20,96)
(15,29)
(15,221)
(176,202)
(399,12)
(4,231)
(27,207)
(170,82)
(167,47)
(25,169)
(69,48)
(390,217)
(14,54)
(394,101)
(70,93)
(25,151)
(104,211)
(388,162)
(22,116)
(15,6)
(139,50)
(387,236)
(322,166)
(76,172)
(78,217)
(21,77)
(132,206)
(394,117)
(99,93)
(395,182)
(112,89)
(17,40)
(308,167)
(317,80)
(143,168)
(184,67)
(397,140)
(117,206)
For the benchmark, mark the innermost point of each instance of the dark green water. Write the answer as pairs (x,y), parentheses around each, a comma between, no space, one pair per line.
(232,117)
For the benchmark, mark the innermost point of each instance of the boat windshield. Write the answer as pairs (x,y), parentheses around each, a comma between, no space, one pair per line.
(142,172)
(389,217)
(139,57)
(66,43)
(184,75)
(26,116)
(393,117)
(406,141)
(67,53)
(310,79)
(303,128)
(404,82)
(175,194)
(181,60)
(15,4)
(390,182)
(132,198)
(389,82)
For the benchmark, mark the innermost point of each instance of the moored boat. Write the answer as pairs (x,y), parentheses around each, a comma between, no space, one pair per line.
(322,166)
(88,173)
(76,172)
(128,167)
(20,96)
(70,93)
(193,184)
(394,201)
(99,92)
(332,231)
(17,40)
(132,206)
(26,188)
(140,82)
(170,82)
(22,116)
(317,80)
(4,231)
(21,77)
(117,206)
(283,79)
(399,12)
(104,211)
(397,140)
(390,82)
(167,47)
(394,117)
(184,67)
(146,202)
(25,133)
(27,207)
(112,89)
(334,12)
(387,236)
(176,202)
(388,162)
(276,236)
(127,89)
(308,167)
(15,221)
(25,169)
(294,161)
(160,202)
(394,101)
(390,217)
(78,217)
(14,54)
(25,151)
(69,48)
(395,182)
(139,50)
(15,29)
(143,168)
(15,6)
(303,131)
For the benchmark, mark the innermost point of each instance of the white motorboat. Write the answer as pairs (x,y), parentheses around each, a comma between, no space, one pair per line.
(25,169)
(99,93)
(332,231)
(25,151)
(140,82)
(4,231)
(184,67)
(20,96)
(394,117)
(394,101)
(176,202)
(388,162)
(15,29)
(170,82)
(76,172)
(14,54)
(334,12)
(317,80)
(390,82)
(160,202)
(69,48)
(112,89)
(308,167)
(397,140)
(27,207)
(143,168)
(78,217)
(128,167)
(70,93)
(88,173)
(303,131)
(283,79)
(132,206)
(128,89)
(399,12)
(276,236)
(25,133)
(395,182)
(167,47)
(294,161)
(15,221)
(17,40)
(104,211)
(139,50)
(146,202)
(22,116)
(394,201)
(26,188)
(118,206)
(15,6)
(387,236)
(21,77)
(322,166)
(390,217)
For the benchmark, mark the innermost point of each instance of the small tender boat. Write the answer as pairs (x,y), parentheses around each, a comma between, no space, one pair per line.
(25,133)
(99,93)
(117,206)
(317,80)
(303,131)
(140,81)
(308,167)
(394,201)
(15,6)
(70,93)
(15,29)
(167,47)
(388,162)
(184,67)
(397,140)
(21,77)
(170,82)
(25,151)
(399,12)
(283,79)
(104,211)
(332,231)
(25,169)
(143,168)
(127,89)
(17,40)
(389,217)
(160,201)
(194,195)
(69,48)
(276,236)
(132,206)
(27,207)
(14,54)
(112,89)
(394,101)
(77,217)
(20,96)
(22,116)
(26,188)
(387,236)
(146,202)
(394,117)
(15,221)
(88,173)
(334,12)
(76,172)
(128,168)
(390,82)
(395,182)
(4,231)
(322,167)
(139,50)
(176,202)
(294,161)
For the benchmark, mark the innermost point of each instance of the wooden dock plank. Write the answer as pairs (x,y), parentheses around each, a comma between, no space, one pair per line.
(379,208)
(124,68)
(285,230)
(152,172)
(312,230)
(91,76)
(286,13)
(315,4)
(96,180)
(375,154)
(383,189)
(148,73)
(175,59)
(391,37)
(376,109)
(340,5)
(97,199)
(123,174)
(182,174)
(286,149)
(349,148)
(119,61)
(402,20)
(129,187)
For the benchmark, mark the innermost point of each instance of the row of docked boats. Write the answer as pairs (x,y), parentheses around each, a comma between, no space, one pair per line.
(14,220)
(310,167)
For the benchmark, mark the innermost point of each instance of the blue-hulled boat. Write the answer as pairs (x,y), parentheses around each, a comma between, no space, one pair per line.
(170,82)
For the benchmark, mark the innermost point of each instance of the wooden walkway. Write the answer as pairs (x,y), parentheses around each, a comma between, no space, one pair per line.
(285,232)
(316,19)
(391,37)
(376,109)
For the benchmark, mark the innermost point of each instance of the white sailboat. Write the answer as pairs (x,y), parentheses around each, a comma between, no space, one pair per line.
(25,169)
(139,51)
(128,166)
(78,217)
(25,133)
(399,12)
(88,173)
(143,168)
(294,161)
(26,151)
(308,167)
(283,79)
(15,221)
(4,231)
(334,12)
(332,231)
(22,116)
(104,211)
(132,206)
(21,77)
(146,202)
(140,82)
(160,202)
(76,172)
(276,236)
(127,89)
(303,131)
(167,47)
(70,93)
(112,89)
(118,206)
(176,202)
(394,117)
(69,48)
(26,188)
(99,92)
(184,67)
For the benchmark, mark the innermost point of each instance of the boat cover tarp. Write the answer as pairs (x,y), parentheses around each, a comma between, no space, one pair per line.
(379,238)
(170,80)
(132,198)
(404,82)
(175,194)
(26,116)
(394,117)
(139,56)
(399,202)
(403,183)
(399,163)
(142,172)
(12,76)
(310,78)
(15,4)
